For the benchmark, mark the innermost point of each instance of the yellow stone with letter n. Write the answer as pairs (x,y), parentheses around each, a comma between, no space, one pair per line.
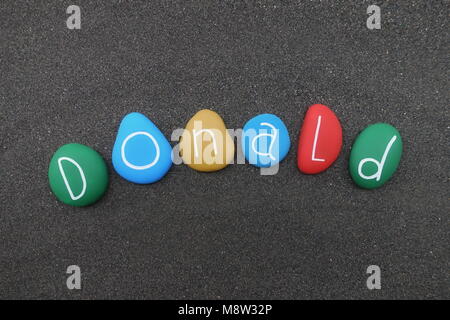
(205,143)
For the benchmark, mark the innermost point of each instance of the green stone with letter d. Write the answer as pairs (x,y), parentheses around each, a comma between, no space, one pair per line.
(78,175)
(375,155)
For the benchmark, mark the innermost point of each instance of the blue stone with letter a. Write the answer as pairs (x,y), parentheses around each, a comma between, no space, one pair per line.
(141,153)
(265,140)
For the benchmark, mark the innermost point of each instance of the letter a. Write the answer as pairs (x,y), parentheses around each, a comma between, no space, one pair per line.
(74,21)
(74,281)
(199,132)
(66,182)
(374,21)
(374,281)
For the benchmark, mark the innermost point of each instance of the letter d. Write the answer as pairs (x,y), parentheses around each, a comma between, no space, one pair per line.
(379,164)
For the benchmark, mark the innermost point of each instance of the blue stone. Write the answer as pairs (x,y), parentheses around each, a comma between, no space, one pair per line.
(141,153)
(265,140)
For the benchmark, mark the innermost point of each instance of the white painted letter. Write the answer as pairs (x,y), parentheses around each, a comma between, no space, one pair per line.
(272,135)
(66,182)
(316,135)
(213,137)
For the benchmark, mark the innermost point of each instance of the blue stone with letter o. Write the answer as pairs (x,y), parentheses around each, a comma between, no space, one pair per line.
(141,154)
(265,140)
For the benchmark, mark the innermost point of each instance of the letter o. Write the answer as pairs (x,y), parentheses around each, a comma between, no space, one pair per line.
(132,165)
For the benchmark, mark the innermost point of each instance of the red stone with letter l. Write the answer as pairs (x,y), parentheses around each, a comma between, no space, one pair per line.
(320,140)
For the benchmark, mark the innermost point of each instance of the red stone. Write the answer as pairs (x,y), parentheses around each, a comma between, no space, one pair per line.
(320,140)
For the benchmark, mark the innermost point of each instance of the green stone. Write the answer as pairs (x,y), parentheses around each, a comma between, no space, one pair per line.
(375,155)
(78,175)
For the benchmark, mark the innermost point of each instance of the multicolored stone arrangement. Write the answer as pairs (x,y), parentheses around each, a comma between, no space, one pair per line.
(141,154)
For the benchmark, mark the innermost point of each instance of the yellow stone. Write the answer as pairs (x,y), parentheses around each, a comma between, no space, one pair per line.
(205,144)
